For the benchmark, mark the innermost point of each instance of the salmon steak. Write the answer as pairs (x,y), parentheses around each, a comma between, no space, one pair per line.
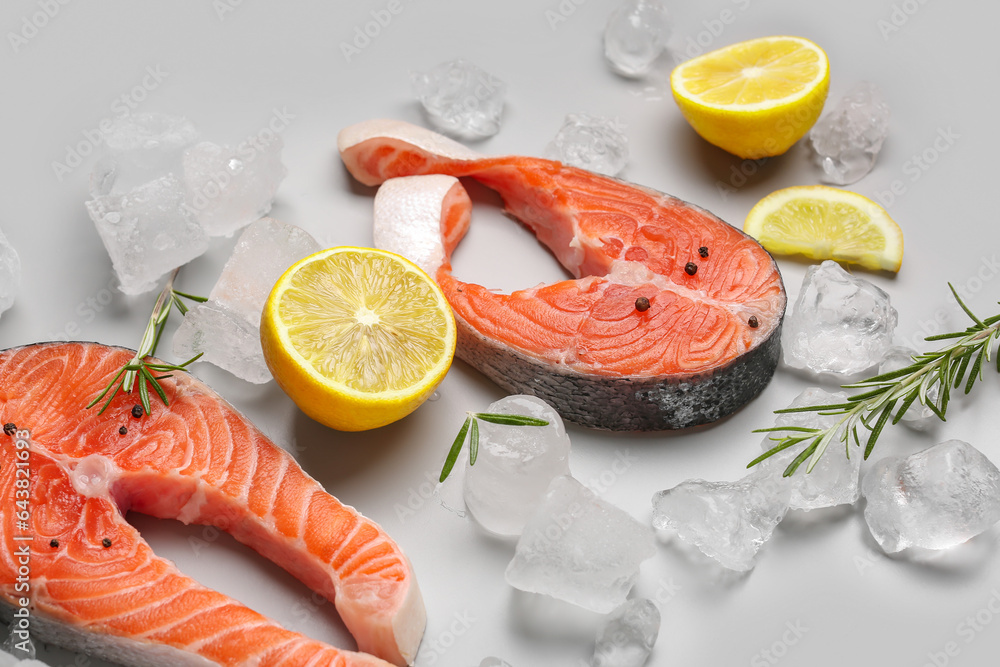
(673,318)
(91,583)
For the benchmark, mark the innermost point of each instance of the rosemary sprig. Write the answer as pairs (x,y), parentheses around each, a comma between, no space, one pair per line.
(137,367)
(885,398)
(471,428)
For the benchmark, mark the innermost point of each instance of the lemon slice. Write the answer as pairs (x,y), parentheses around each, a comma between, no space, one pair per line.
(357,337)
(827,223)
(755,98)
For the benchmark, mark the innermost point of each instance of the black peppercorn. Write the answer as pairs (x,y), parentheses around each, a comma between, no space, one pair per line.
(136,410)
(703,251)
(691,268)
(9,428)
(106,542)
(122,431)
(753,322)
(642,304)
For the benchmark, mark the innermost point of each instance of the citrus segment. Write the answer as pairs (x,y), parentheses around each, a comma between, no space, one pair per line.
(826,223)
(357,337)
(755,98)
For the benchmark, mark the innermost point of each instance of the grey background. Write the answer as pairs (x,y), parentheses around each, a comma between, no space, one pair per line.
(227,65)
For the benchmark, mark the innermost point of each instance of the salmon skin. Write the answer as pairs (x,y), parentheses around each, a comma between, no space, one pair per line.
(673,320)
(95,585)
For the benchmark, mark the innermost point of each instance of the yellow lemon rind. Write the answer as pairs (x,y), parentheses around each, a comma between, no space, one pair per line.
(889,258)
(327,400)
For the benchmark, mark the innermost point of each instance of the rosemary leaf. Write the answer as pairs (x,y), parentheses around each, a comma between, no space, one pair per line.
(156,386)
(144,395)
(509,420)
(803,429)
(192,297)
(907,402)
(456,447)
(473,442)
(964,307)
(977,369)
(885,398)
(114,382)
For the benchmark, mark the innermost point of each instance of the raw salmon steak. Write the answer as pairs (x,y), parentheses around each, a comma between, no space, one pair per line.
(673,320)
(95,585)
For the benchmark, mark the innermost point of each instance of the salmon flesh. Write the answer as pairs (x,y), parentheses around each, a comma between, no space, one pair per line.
(68,476)
(673,318)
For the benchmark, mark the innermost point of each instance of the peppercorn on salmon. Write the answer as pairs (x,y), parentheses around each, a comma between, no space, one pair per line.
(89,580)
(674,317)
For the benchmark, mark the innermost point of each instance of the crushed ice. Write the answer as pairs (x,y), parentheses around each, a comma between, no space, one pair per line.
(635,36)
(628,634)
(226,328)
(515,465)
(840,324)
(461,99)
(579,548)
(591,142)
(934,499)
(10,273)
(847,139)
(157,197)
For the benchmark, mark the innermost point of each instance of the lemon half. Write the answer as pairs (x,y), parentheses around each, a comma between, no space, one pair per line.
(755,98)
(827,223)
(358,338)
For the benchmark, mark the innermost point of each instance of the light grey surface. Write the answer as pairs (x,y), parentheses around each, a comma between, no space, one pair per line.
(822,594)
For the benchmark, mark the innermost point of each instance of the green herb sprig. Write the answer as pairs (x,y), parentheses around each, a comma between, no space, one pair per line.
(885,398)
(137,367)
(471,428)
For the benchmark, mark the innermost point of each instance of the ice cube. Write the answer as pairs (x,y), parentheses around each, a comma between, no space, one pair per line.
(918,416)
(847,139)
(579,548)
(224,339)
(147,231)
(140,148)
(515,465)
(934,499)
(493,662)
(635,36)
(228,188)
(10,273)
(840,323)
(263,252)
(461,99)
(591,142)
(226,329)
(727,521)
(835,478)
(18,651)
(627,637)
